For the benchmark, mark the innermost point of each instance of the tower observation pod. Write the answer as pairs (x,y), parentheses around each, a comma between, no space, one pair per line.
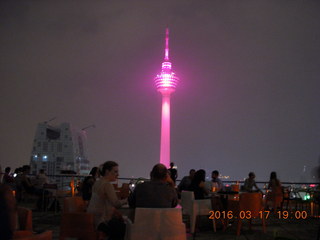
(166,83)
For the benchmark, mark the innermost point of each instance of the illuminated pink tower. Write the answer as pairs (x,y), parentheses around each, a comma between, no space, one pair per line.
(166,83)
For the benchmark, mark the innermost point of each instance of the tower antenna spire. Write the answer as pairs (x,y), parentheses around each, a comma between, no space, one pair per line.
(166,55)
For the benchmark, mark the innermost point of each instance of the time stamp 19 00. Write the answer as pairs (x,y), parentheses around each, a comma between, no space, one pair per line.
(260,215)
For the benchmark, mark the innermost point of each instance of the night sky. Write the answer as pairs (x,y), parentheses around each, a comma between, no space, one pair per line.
(248,99)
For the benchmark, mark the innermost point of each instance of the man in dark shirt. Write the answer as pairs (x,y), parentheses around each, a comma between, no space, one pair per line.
(249,183)
(158,193)
(216,182)
(185,183)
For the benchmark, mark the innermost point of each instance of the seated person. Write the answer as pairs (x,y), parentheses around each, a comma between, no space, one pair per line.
(104,203)
(158,193)
(30,188)
(7,177)
(216,181)
(249,183)
(41,179)
(185,183)
(88,183)
(198,185)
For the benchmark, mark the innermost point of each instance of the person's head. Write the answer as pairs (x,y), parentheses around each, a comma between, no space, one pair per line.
(159,172)
(110,170)
(252,175)
(171,164)
(199,176)
(273,175)
(215,174)
(94,172)
(7,170)
(191,173)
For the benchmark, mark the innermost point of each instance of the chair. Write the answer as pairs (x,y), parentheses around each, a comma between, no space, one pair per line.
(286,198)
(157,224)
(250,203)
(235,187)
(195,208)
(27,235)
(77,225)
(275,198)
(24,219)
(74,204)
(21,234)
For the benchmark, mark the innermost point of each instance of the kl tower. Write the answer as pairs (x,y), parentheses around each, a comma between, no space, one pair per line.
(166,83)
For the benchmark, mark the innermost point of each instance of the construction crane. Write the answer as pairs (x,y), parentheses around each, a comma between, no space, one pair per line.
(90,126)
(51,119)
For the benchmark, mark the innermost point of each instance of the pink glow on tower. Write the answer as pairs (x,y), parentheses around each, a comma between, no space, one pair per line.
(166,83)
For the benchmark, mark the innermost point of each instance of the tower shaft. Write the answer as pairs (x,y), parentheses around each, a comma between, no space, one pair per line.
(165,131)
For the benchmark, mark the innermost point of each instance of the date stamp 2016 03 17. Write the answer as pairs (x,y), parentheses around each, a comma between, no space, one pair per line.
(260,215)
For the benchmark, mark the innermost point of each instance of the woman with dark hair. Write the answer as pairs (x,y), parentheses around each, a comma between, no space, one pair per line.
(275,196)
(198,184)
(274,181)
(88,183)
(104,202)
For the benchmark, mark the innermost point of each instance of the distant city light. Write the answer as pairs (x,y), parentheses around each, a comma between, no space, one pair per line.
(307,197)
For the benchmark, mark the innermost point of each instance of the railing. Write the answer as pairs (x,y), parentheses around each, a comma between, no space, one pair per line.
(305,191)
(63,181)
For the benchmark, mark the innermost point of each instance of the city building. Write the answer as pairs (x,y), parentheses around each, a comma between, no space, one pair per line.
(59,149)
